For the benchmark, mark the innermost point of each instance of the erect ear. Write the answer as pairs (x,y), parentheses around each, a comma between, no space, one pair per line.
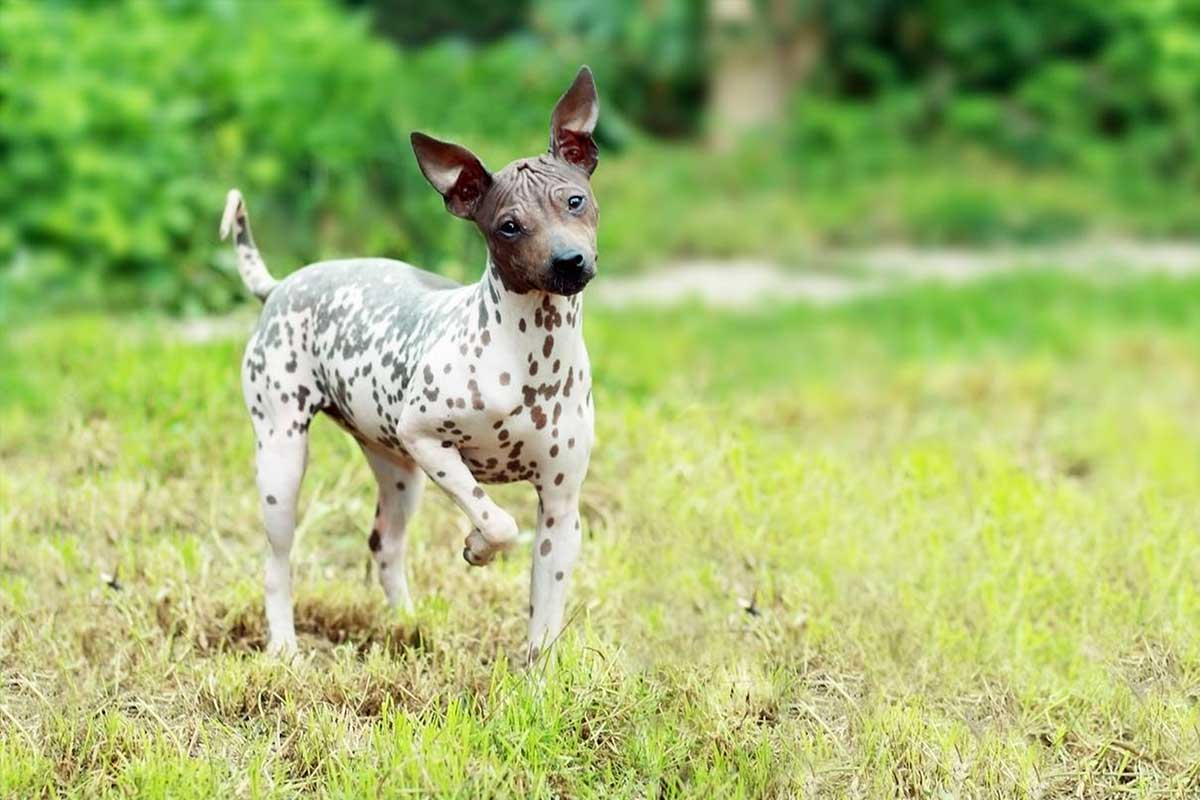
(454,171)
(573,121)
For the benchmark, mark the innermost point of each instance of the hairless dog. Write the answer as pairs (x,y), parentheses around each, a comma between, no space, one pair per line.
(471,385)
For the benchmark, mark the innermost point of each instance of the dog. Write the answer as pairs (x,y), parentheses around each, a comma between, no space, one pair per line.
(480,384)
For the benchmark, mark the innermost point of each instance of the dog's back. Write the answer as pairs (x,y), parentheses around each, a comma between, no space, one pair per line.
(328,330)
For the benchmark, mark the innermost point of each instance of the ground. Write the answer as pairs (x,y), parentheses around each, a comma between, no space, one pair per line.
(933,542)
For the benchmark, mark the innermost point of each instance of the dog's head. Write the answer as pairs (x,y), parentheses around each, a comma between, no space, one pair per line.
(538,214)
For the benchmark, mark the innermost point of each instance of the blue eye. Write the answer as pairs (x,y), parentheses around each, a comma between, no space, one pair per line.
(575,202)
(509,228)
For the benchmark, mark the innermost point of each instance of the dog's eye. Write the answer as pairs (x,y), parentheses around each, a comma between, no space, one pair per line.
(575,202)
(509,228)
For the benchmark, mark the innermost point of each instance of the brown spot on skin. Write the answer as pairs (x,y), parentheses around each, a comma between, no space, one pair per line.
(505,378)
(558,576)
(271,500)
(446,369)
(554,451)
(477,493)
(533,368)
(373,541)
(545,547)
(534,652)
(558,479)
(486,337)
(400,485)
(547,346)
(428,373)
(549,522)
(538,416)
(557,364)
(571,442)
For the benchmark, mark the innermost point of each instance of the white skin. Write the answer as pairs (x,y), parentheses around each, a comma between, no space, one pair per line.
(485,383)
(560,447)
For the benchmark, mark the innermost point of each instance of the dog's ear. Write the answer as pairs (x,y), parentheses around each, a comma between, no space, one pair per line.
(573,121)
(454,171)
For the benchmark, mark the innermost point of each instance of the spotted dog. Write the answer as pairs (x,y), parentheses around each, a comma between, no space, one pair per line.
(480,384)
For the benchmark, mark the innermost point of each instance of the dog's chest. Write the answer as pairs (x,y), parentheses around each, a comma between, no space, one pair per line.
(513,396)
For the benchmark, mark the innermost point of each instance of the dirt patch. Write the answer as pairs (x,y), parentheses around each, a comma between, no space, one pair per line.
(837,277)
(321,625)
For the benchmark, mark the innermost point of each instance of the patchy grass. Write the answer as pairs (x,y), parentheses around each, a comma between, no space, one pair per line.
(943,542)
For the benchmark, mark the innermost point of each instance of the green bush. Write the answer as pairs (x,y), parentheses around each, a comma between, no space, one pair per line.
(655,55)
(122,126)
(1042,83)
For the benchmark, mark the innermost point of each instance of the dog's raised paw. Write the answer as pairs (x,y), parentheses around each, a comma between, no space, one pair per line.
(477,551)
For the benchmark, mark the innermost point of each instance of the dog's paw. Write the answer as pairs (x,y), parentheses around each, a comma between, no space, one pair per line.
(283,647)
(472,557)
(479,550)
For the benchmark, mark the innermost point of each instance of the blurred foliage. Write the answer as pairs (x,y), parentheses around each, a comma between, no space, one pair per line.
(1044,83)
(123,124)
(414,22)
(654,54)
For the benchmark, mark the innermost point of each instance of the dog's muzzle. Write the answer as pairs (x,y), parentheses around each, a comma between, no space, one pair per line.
(570,272)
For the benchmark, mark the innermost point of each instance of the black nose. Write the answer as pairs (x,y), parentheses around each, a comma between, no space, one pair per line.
(568,262)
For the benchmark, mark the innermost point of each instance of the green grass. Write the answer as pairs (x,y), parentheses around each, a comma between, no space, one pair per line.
(965,522)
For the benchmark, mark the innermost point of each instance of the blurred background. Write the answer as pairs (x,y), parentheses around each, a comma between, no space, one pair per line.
(767,129)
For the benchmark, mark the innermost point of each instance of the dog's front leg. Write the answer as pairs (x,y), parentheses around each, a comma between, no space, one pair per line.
(555,551)
(495,529)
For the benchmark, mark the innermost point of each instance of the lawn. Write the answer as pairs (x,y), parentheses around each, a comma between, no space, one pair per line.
(939,543)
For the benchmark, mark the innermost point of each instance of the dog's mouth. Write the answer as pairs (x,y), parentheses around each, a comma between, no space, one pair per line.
(568,285)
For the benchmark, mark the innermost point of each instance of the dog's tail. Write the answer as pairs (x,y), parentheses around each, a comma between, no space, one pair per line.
(250,264)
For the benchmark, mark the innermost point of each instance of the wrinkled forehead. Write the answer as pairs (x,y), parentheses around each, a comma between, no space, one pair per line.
(533,181)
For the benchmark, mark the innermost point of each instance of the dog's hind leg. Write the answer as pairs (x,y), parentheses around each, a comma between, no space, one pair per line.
(281,462)
(400,484)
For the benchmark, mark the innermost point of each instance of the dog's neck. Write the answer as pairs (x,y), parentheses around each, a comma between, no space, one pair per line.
(530,315)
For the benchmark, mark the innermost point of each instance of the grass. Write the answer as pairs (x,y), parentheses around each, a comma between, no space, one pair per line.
(940,543)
